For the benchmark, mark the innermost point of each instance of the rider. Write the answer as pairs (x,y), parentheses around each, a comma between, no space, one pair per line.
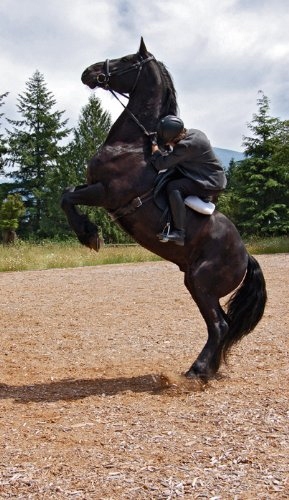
(198,172)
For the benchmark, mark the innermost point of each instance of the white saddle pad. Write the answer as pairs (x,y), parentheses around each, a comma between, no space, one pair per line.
(203,207)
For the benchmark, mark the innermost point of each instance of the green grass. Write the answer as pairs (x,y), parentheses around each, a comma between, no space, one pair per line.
(47,255)
(268,245)
(50,255)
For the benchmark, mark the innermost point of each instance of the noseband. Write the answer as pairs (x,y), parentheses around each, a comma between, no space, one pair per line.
(104,79)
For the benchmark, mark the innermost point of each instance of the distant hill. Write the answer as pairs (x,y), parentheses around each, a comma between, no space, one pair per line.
(226,155)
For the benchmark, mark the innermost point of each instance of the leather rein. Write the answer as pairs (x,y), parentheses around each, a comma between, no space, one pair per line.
(104,79)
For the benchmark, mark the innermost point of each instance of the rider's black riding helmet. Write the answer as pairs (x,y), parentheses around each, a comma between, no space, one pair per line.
(169,128)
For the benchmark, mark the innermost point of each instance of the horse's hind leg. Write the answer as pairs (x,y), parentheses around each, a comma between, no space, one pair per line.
(92,195)
(208,362)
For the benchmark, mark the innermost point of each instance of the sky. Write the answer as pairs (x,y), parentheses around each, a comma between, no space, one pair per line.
(220,53)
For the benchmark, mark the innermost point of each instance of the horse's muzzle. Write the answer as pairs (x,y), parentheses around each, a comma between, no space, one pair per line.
(88,79)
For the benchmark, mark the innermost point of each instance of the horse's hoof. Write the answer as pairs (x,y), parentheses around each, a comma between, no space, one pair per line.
(95,242)
(194,376)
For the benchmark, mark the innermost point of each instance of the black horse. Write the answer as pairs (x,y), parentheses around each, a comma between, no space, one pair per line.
(120,179)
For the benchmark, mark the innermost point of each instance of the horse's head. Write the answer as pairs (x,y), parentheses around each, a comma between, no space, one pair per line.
(120,75)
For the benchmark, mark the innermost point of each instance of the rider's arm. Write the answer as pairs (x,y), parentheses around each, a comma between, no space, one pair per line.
(161,161)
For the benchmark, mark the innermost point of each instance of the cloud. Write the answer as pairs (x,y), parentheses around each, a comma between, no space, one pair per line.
(218,53)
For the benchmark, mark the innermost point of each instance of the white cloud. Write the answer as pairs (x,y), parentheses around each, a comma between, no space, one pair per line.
(219,54)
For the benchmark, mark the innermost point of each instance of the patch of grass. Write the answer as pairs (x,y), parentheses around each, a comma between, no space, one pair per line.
(268,245)
(25,256)
(51,255)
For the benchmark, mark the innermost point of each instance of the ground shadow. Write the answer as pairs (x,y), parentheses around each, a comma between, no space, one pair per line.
(73,389)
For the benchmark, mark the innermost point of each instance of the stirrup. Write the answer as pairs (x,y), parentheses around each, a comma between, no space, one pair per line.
(163,236)
(177,236)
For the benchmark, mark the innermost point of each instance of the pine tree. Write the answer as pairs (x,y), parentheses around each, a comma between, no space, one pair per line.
(260,180)
(88,136)
(227,200)
(11,209)
(35,148)
(2,140)
(90,133)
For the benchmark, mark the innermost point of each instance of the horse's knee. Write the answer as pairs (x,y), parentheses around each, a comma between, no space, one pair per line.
(64,200)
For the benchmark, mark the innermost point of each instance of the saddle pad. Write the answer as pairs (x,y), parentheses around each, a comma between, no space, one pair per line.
(199,205)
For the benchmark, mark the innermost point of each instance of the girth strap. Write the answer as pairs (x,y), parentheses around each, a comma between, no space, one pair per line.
(132,206)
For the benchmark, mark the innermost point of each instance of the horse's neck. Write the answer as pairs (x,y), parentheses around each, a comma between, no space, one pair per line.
(123,131)
(145,104)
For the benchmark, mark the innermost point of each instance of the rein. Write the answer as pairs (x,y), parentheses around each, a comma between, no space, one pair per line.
(148,134)
(103,78)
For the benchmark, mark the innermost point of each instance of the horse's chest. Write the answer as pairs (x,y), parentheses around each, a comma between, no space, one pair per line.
(114,163)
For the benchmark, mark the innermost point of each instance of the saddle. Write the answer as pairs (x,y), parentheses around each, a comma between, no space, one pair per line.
(205,207)
(199,205)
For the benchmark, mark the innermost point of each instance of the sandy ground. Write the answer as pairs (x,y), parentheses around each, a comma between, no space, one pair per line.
(93,404)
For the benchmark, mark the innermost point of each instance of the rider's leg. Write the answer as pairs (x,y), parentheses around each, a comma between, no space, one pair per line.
(177,190)
(178,209)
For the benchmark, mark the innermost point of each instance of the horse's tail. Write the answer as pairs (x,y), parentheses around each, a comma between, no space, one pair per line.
(246,306)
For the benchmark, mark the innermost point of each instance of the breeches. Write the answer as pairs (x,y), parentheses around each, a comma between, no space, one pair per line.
(189,187)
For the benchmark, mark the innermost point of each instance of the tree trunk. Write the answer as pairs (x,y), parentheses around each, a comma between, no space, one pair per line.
(9,236)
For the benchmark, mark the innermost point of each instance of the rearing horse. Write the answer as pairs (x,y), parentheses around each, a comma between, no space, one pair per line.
(120,179)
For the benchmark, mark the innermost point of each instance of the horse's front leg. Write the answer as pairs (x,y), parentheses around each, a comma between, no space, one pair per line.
(90,195)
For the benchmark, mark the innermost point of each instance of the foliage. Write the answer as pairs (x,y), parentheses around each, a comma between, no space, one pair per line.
(11,209)
(89,135)
(227,200)
(35,150)
(258,186)
(256,198)
(2,140)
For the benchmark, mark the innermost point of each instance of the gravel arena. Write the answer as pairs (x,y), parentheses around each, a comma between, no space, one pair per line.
(94,404)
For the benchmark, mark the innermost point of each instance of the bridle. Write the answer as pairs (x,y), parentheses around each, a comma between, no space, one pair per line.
(104,80)
(104,77)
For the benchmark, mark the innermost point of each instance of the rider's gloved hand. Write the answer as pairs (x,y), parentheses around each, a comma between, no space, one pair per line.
(153,138)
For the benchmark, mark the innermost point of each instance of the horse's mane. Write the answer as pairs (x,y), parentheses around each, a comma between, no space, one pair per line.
(169,105)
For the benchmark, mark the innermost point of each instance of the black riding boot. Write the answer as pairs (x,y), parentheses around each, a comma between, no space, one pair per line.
(178,210)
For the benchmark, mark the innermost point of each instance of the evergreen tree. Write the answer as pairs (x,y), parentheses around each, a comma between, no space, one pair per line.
(227,200)
(259,183)
(35,149)
(90,133)
(11,209)
(280,183)
(2,140)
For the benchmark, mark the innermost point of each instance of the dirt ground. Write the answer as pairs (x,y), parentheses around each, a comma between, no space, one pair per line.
(93,403)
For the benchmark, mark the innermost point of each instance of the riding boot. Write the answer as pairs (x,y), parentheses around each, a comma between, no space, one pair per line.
(178,210)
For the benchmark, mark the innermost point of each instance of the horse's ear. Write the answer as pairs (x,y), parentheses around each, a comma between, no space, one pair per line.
(142,48)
